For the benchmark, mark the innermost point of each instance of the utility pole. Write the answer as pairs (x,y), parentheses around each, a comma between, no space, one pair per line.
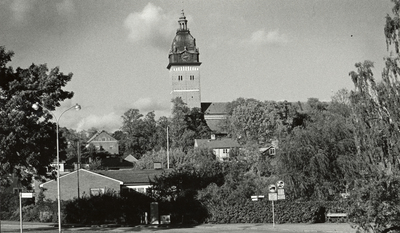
(78,166)
(167,149)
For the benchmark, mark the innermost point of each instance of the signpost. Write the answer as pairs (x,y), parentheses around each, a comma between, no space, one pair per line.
(22,195)
(276,192)
(275,195)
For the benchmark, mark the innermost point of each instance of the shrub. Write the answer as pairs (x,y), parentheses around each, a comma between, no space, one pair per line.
(107,208)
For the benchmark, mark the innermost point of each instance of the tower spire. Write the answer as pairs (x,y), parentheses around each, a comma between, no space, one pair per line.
(182,22)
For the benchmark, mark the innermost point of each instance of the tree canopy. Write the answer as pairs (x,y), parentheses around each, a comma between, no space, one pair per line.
(27,136)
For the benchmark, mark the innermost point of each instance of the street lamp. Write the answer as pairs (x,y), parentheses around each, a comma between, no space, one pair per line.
(77,107)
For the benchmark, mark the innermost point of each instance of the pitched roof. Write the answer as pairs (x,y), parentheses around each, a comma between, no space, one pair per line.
(217,143)
(214,108)
(116,162)
(132,176)
(83,170)
(97,134)
(130,158)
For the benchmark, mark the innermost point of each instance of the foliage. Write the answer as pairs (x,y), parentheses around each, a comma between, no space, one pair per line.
(76,142)
(316,160)
(186,125)
(108,208)
(247,211)
(30,210)
(177,190)
(9,203)
(254,122)
(376,203)
(376,114)
(137,132)
(27,138)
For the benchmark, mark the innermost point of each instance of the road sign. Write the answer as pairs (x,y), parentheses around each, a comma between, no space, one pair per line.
(280,184)
(272,196)
(272,188)
(26,195)
(281,192)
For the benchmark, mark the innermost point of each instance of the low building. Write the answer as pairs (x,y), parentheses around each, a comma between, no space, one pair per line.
(221,147)
(87,182)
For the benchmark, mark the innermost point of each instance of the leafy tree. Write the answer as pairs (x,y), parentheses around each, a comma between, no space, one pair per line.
(74,139)
(138,132)
(376,114)
(316,160)
(161,133)
(27,137)
(91,132)
(178,189)
(255,122)
(186,125)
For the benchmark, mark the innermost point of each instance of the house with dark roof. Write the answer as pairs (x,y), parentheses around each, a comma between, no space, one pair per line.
(269,149)
(84,182)
(103,140)
(221,147)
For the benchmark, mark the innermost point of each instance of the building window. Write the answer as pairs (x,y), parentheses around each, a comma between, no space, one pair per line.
(180,77)
(225,151)
(17,190)
(272,151)
(191,77)
(96,191)
(111,147)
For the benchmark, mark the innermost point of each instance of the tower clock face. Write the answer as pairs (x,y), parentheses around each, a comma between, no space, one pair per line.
(185,57)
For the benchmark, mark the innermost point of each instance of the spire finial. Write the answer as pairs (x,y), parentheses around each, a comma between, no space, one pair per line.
(182,21)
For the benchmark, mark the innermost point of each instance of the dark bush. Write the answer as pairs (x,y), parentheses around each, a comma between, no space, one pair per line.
(108,208)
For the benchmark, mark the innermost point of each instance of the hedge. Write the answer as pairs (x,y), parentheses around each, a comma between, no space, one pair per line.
(261,212)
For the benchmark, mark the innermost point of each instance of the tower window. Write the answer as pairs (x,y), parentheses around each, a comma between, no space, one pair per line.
(180,78)
(191,77)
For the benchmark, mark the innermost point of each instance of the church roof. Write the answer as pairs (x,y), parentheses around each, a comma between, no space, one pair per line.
(214,108)
(183,40)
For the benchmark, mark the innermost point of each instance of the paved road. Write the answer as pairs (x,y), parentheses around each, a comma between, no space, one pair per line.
(8,226)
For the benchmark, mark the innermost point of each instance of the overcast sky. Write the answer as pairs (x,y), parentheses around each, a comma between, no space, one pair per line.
(262,49)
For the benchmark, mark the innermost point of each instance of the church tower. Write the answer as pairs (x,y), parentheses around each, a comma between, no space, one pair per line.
(184,66)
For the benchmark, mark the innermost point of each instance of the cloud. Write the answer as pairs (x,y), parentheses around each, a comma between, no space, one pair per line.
(20,8)
(109,122)
(262,37)
(27,11)
(112,121)
(151,25)
(65,7)
(148,105)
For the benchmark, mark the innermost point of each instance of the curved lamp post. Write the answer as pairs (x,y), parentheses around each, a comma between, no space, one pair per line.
(77,107)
